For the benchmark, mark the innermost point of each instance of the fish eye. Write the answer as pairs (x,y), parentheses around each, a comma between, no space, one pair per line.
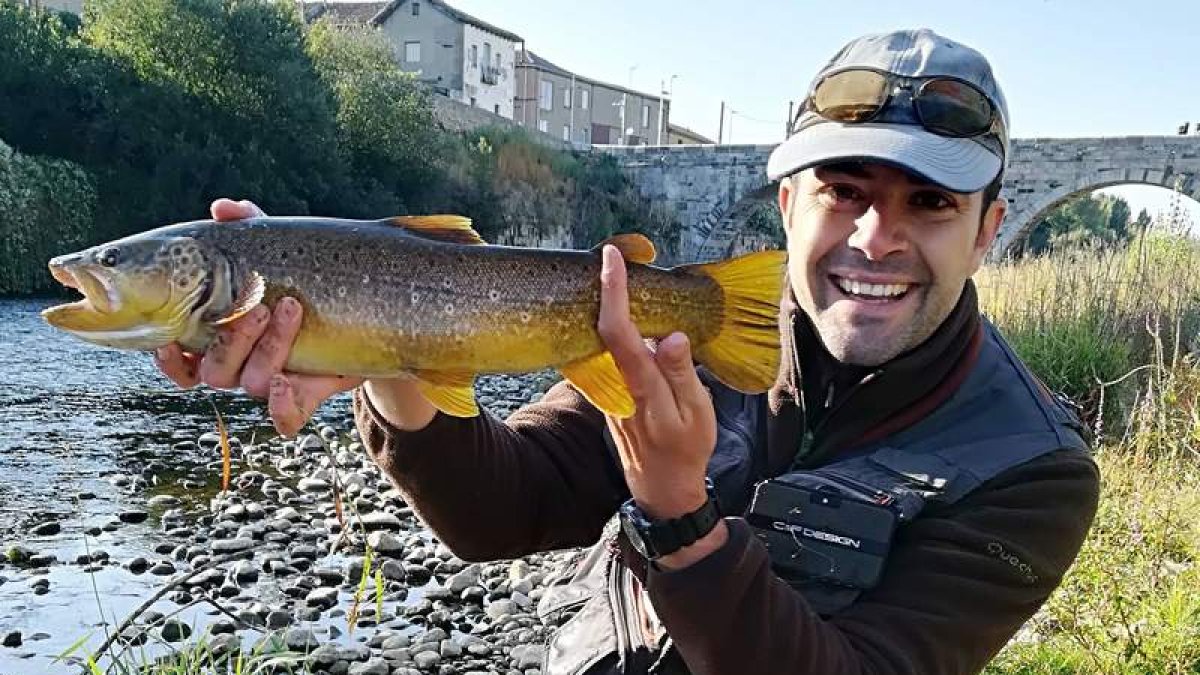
(109,257)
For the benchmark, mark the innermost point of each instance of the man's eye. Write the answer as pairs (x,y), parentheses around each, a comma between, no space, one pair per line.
(932,200)
(840,195)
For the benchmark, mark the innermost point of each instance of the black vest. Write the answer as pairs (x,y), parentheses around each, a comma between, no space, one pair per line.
(999,418)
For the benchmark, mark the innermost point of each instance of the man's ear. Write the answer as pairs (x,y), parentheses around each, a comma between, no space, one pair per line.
(989,227)
(785,200)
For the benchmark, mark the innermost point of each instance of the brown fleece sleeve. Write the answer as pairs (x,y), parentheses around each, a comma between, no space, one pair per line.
(954,591)
(489,489)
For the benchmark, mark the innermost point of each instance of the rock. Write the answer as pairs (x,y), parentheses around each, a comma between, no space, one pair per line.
(329,576)
(174,630)
(222,627)
(206,578)
(163,501)
(134,635)
(222,546)
(323,657)
(19,555)
(324,597)
(528,656)
(209,440)
(394,571)
(301,640)
(386,543)
(46,529)
(133,516)
(279,619)
(381,520)
(224,644)
(312,485)
(11,639)
(237,512)
(119,480)
(374,666)
(450,649)
(163,568)
(354,652)
(397,642)
(426,660)
(244,571)
(499,608)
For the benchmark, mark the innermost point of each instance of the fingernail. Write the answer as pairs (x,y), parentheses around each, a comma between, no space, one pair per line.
(261,314)
(290,307)
(160,353)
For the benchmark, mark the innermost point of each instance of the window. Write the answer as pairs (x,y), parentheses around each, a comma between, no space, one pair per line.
(474,55)
(546,99)
(645,115)
(566,98)
(583,136)
(497,61)
(472,101)
(566,133)
(497,108)
(543,126)
(412,52)
(487,54)
(583,99)
(416,9)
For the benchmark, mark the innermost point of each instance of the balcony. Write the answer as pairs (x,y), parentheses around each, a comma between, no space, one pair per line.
(490,75)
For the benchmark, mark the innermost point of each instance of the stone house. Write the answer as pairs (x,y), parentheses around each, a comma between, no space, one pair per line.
(456,54)
(677,135)
(566,105)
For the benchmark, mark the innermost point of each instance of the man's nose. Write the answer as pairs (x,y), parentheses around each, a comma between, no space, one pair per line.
(878,234)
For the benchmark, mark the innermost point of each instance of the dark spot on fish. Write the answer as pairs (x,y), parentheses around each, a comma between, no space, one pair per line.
(176,251)
(283,255)
(185,260)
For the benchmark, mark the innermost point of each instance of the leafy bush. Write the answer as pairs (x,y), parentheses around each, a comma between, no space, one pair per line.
(45,208)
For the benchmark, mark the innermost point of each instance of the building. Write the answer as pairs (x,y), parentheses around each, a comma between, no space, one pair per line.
(72,6)
(566,105)
(677,135)
(456,54)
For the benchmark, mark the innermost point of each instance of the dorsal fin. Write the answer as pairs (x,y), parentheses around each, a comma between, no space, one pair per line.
(253,287)
(634,247)
(447,228)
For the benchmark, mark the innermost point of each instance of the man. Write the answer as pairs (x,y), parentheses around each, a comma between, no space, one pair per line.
(895,401)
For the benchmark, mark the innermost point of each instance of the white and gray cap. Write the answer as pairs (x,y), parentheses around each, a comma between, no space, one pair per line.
(896,136)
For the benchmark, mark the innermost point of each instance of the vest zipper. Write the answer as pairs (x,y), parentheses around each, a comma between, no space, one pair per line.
(855,487)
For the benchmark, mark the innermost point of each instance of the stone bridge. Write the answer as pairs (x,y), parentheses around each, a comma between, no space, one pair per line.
(711,188)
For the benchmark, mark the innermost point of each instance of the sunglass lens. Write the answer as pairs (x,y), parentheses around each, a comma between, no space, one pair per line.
(953,108)
(851,96)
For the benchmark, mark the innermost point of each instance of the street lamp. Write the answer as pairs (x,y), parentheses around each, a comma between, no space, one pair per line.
(663,92)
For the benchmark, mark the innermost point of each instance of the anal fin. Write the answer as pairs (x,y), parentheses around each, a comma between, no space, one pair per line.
(452,392)
(600,381)
(634,247)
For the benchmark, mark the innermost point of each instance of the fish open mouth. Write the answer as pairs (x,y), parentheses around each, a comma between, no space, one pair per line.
(97,296)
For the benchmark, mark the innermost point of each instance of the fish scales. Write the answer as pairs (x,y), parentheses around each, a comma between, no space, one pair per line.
(411,303)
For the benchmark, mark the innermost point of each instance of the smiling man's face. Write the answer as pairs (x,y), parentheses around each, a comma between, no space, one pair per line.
(877,257)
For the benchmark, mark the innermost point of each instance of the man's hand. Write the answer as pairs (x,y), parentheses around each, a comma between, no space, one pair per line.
(665,447)
(250,352)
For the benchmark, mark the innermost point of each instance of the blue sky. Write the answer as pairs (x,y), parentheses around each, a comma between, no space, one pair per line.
(1068,67)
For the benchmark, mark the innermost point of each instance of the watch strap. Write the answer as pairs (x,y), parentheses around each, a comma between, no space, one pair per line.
(664,537)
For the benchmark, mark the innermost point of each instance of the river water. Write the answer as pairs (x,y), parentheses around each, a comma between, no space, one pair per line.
(71,416)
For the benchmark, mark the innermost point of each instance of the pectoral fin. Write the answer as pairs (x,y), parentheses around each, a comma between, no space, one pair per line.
(251,292)
(600,381)
(452,392)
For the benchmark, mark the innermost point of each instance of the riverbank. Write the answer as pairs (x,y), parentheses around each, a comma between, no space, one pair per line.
(257,570)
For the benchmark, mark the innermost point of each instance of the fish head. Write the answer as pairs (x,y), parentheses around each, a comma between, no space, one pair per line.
(141,292)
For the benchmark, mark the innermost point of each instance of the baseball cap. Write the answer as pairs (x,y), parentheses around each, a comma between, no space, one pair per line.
(896,135)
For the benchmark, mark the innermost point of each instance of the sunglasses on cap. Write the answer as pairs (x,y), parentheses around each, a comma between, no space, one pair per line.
(946,106)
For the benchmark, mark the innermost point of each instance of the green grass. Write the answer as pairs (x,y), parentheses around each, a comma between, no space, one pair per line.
(1083,320)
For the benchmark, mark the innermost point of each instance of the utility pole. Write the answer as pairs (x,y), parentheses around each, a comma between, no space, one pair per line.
(787,126)
(572,132)
(721,125)
(664,92)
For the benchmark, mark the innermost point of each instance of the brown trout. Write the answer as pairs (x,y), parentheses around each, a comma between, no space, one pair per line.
(421,297)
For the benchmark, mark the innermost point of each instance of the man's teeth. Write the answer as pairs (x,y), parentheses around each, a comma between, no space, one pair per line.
(871,290)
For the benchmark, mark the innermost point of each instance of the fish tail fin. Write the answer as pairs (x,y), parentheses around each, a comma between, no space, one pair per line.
(744,353)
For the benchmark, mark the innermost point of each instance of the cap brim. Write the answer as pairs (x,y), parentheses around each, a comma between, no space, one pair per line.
(957,164)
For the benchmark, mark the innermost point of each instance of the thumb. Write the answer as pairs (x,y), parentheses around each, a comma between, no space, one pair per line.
(227,209)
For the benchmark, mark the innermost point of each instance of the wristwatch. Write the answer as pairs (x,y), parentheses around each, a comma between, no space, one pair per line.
(656,538)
